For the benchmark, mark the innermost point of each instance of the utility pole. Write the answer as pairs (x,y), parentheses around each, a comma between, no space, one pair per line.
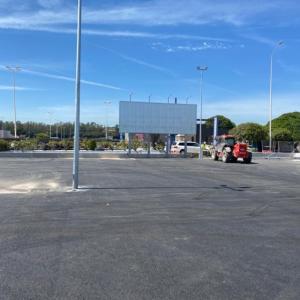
(106,118)
(279,44)
(50,125)
(14,70)
(202,69)
(77,102)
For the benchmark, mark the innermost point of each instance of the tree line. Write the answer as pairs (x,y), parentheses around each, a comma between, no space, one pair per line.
(64,130)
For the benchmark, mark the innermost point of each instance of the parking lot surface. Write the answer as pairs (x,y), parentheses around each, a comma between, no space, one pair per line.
(149,229)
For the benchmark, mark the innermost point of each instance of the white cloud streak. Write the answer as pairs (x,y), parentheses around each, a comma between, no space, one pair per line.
(18,88)
(139,62)
(205,45)
(66,78)
(148,13)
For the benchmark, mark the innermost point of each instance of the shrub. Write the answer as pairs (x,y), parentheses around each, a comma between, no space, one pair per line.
(42,138)
(160,147)
(67,144)
(4,146)
(135,144)
(91,145)
(25,145)
(123,145)
(55,145)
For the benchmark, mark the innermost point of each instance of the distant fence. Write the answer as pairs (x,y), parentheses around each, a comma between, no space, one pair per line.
(281,146)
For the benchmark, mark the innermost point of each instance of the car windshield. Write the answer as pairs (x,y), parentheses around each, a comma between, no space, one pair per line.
(230,141)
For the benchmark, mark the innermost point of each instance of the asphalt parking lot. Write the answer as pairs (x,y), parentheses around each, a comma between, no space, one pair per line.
(149,229)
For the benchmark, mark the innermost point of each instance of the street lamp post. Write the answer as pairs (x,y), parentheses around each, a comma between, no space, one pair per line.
(77,102)
(14,70)
(106,118)
(2,122)
(50,125)
(57,124)
(202,69)
(280,43)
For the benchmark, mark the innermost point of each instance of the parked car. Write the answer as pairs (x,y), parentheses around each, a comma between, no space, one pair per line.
(178,148)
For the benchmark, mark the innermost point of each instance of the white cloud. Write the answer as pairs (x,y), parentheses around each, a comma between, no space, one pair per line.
(205,45)
(66,78)
(149,13)
(171,12)
(18,88)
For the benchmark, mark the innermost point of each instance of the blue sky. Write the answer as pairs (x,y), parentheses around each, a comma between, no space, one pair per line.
(149,48)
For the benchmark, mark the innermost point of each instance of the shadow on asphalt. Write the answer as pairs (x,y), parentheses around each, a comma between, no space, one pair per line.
(221,187)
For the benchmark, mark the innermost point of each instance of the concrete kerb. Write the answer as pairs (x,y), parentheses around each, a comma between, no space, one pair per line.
(86,154)
(296,156)
(123,155)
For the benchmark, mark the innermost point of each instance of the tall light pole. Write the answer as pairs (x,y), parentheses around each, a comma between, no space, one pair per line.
(202,69)
(278,44)
(77,102)
(57,124)
(50,125)
(130,96)
(2,122)
(149,98)
(106,118)
(14,70)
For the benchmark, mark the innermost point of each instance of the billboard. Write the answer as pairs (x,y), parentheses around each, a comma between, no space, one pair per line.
(162,118)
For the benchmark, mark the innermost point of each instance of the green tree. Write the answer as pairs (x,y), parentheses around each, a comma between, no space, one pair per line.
(289,122)
(282,134)
(223,123)
(42,138)
(252,132)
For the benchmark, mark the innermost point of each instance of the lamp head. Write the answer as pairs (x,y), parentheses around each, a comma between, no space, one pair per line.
(202,68)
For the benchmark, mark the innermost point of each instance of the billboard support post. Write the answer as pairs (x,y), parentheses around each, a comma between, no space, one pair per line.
(149,145)
(168,145)
(129,144)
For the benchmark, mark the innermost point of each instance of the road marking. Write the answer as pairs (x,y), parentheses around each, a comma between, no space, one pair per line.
(116,158)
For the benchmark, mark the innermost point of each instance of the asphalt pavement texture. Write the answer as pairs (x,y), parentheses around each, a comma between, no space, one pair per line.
(149,229)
